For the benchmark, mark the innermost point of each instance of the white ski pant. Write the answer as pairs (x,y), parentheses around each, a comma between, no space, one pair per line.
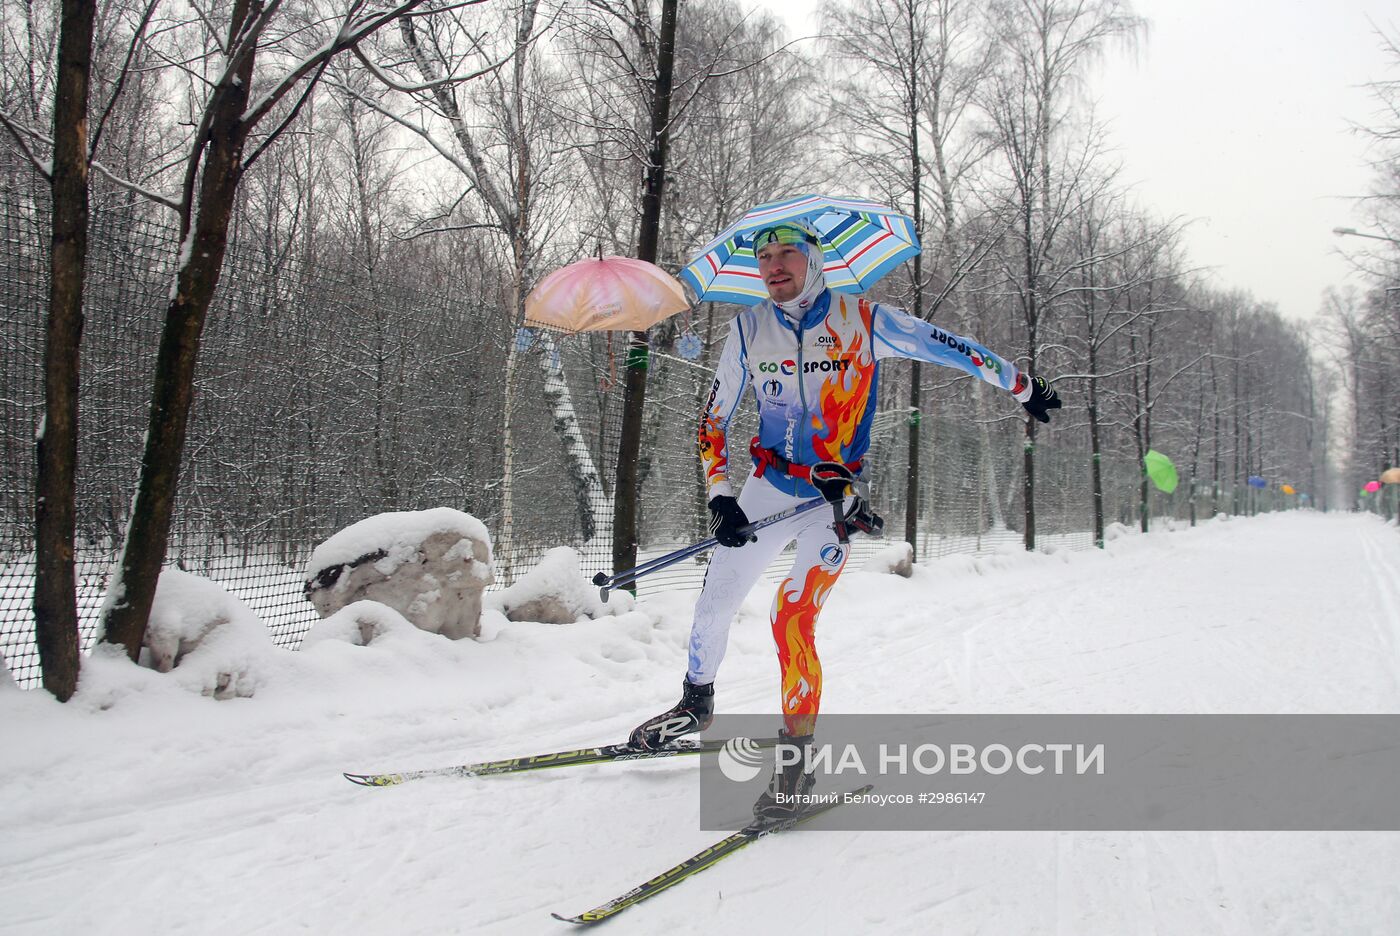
(796,606)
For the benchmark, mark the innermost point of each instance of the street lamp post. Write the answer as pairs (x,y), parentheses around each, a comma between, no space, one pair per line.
(1353,232)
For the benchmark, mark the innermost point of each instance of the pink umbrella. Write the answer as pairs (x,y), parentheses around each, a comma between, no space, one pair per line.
(1372,487)
(605,294)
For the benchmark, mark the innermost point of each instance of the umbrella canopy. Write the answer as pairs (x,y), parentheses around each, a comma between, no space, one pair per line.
(1288,489)
(1372,487)
(1390,476)
(861,242)
(1255,481)
(605,294)
(1161,470)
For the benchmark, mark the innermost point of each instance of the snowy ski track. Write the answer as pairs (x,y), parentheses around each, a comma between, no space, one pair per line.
(143,808)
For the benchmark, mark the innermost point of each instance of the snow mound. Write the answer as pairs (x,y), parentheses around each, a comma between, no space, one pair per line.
(1116,531)
(430,566)
(894,559)
(360,624)
(391,539)
(555,592)
(107,677)
(218,644)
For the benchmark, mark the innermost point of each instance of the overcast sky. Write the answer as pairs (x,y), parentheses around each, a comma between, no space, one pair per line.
(1236,113)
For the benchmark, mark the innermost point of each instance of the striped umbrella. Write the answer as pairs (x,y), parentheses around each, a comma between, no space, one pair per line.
(861,242)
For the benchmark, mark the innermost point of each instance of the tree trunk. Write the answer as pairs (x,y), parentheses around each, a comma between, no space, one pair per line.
(1140,400)
(916,173)
(1032,281)
(1236,477)
(1095,453)
(129,595)
(911,484)
(1032,312)
(55,511)
(1215,441)
(1028,463)
(635,374)
(1028,458)
(1144,494)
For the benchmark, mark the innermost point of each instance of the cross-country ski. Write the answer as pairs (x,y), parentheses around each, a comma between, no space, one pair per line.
(701,860)
(606,754)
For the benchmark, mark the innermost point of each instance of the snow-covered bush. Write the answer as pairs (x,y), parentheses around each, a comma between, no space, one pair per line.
(199,627)
(360,624)
(894,559)
(555,592)
(1116,531)
(430,566)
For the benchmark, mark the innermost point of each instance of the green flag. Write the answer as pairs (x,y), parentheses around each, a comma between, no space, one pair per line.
(1161,470)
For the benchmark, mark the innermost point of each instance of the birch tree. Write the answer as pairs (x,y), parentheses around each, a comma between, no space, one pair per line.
(505,144)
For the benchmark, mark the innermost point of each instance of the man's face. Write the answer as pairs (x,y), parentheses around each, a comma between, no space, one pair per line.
(783,268)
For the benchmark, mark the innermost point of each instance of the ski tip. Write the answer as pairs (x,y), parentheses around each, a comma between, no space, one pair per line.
(373,779)
(563,919)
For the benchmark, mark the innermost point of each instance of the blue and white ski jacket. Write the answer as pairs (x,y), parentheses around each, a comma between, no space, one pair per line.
(815,382)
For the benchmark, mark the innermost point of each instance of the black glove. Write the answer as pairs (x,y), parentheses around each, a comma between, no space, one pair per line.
(726,516)
(832,480)
(1043,398)
(861,517)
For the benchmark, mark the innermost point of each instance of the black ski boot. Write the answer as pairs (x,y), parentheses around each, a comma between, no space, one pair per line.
(790,785)
(692,713)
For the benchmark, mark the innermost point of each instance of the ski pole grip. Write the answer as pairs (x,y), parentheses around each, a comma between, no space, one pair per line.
(601,578)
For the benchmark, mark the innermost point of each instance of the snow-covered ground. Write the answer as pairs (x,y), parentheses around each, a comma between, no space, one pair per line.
(141,807)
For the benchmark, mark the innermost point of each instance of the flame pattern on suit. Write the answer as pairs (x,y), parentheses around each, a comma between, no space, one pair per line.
(844,397)
(794,619)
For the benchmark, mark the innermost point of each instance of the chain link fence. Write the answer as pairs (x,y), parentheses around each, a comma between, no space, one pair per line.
(331,389)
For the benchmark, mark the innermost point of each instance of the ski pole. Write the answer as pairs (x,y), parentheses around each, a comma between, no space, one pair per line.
(607,583)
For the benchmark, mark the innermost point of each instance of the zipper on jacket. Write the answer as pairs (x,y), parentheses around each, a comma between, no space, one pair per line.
(801,387)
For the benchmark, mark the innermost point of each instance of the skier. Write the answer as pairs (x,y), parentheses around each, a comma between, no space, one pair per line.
(812,357)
